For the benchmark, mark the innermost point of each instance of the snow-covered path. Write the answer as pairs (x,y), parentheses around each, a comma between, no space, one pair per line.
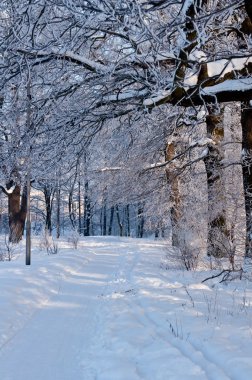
(112,312)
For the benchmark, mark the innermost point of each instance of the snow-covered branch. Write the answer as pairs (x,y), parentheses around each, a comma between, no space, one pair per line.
(203,142)
(67,55)
(7,191)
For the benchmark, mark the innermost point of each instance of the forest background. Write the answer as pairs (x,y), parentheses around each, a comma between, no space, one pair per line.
(130,118)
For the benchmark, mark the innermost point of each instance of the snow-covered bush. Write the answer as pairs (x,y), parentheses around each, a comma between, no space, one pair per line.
(53,249)
(47,243)
(74,238)
(7,250)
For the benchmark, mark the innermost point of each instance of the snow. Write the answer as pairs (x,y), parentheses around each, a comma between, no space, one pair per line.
(10,190)
(161,56)
(156,98)
(198,56)
(120,309)
(217,68)
(204,153)
(88,63)
(202,142)
(191,78)
(126,95)
(224,66)
(242,84)
(186,5)
(110,169)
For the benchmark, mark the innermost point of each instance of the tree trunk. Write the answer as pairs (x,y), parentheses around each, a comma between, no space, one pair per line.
(79,204)
(248,7)
(218,234)
(101,220)
(127,212)
(48,192)
(140,221)
(58,213)
(246,120)
(71,212)
(17,213)
(87,211)
(172,178)
(104,224)
(111,220)
(119,221)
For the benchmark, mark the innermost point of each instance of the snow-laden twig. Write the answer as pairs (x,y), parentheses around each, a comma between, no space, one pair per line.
(68,56)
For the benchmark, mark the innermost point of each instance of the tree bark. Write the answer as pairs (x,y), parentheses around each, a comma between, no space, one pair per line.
(104,224)
(191,42)
(79,204)
(71,212)
(119,221)
(17,213)
(246,121)
(248,7)
(58,213)
(111,220)
(127,212)
(218,234)
(173,181)
(48,193)
(87,211)
(140,221)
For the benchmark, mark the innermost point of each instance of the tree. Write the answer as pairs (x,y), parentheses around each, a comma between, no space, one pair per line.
(102,69)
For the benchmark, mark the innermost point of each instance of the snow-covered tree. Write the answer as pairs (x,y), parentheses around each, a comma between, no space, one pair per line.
(98,61)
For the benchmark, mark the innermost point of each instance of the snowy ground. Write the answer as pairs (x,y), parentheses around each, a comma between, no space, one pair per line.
(115,310)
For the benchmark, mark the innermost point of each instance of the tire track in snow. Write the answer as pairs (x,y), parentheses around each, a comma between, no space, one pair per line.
(101,342)
(121,288)
(120,303)
(212,369)
(186,349)
(88,365)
